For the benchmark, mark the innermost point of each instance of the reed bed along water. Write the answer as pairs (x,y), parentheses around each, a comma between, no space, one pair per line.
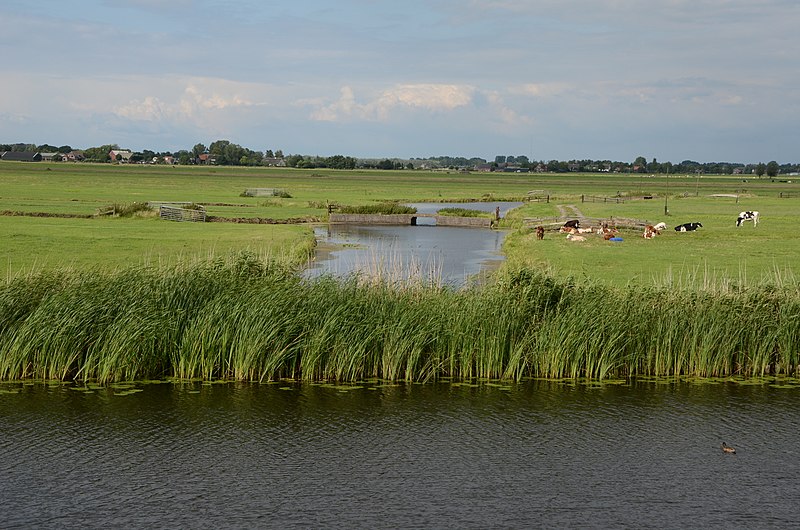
(254,320)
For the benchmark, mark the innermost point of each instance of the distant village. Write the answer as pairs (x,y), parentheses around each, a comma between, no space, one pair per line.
(225,153)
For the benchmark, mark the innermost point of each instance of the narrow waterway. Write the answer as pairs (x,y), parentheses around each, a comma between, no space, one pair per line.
(432,254)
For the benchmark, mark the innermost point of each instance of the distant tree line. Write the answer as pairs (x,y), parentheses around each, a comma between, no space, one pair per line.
(227,153)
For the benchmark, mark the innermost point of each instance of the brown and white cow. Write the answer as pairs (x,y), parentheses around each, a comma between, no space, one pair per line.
(650,232)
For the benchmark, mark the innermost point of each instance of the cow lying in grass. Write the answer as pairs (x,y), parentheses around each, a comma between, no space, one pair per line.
(608,233)
(688,227)
(650,232)
(661,226)
(747,216)
(571,227)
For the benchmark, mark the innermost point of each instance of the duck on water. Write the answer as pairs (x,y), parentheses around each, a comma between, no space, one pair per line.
(727,448)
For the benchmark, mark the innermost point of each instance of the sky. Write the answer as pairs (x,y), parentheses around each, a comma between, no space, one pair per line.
(674,80)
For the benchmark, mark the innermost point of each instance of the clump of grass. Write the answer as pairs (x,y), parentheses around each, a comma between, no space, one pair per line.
(463,212)
(125,209)
(385,208)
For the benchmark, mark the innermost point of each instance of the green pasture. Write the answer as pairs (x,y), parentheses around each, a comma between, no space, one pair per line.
(719,252)
(35,244)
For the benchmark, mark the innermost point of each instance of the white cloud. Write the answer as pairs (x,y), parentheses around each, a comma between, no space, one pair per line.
(341,108)
(149,109)
(542,90)
(431,97)
(199,97)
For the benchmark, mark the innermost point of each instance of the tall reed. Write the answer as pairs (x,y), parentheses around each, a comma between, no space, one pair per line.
(255,320)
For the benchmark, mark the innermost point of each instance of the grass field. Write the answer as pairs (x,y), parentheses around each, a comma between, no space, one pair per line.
(118,298)
(718,252)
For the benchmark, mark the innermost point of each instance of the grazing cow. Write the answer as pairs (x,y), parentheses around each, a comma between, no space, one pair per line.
(661,226)
(650,232)
(747,216)
(688,227)
(540,232)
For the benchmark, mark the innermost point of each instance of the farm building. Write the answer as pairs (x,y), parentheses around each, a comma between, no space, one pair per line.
(21,156)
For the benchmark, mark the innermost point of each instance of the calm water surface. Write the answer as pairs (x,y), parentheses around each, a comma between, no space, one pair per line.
(449,255)
(444,254)
(542,455)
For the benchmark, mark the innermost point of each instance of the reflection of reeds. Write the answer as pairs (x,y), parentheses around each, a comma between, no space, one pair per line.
(396,269)
(380,264)
(248,319)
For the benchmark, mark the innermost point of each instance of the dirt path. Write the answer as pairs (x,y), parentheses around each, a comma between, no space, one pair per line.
(569,210)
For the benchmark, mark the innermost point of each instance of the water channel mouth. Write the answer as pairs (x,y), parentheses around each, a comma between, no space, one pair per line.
(440,255)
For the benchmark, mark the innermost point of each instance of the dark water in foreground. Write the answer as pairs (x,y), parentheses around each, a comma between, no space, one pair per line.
(409,456)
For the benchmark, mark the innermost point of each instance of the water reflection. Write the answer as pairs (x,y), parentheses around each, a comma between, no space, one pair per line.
(437,254)
(444,254)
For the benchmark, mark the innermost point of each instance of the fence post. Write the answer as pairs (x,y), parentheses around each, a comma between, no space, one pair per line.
(582,198)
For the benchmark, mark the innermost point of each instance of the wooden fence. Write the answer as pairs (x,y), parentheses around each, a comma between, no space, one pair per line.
(593,198)
(538,198)
(614,222)
(172,213)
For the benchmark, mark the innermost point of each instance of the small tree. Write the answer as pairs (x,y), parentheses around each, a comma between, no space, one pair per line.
(773,169)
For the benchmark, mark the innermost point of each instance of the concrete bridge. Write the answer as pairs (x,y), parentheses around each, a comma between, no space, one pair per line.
(409,219)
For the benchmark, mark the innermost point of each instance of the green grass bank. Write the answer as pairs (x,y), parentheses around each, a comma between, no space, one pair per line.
(253,320)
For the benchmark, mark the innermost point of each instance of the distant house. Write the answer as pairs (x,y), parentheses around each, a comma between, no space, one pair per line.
(124,155)
(276,162)
(515,169)
(206,158)
(48,157)
(74,156)
(21,156)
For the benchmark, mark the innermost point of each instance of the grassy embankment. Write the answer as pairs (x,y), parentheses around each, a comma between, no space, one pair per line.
(717,302)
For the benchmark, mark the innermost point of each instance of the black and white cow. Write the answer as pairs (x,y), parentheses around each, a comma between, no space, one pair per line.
(747,216)
(688,227)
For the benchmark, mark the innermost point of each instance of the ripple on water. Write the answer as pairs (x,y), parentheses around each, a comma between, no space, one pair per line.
(531,454)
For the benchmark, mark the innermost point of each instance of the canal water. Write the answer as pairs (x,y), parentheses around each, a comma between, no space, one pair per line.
(373,455)
(442,255)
